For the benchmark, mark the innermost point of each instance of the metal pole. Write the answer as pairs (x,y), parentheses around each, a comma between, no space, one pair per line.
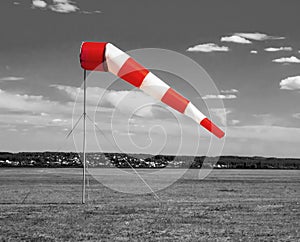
(84,136)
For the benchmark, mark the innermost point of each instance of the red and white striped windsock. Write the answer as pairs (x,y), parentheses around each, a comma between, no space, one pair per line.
(102,56)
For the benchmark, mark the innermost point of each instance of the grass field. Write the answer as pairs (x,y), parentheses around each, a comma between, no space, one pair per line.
(229,205)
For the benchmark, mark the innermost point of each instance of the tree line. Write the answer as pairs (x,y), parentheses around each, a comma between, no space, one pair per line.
(121,160)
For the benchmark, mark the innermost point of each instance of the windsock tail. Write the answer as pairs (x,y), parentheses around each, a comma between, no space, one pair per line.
(210,126)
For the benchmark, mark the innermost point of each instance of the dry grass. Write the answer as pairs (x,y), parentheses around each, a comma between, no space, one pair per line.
(230,205)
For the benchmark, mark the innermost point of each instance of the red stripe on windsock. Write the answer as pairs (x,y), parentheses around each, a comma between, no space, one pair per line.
(175,100)
(92,56)
(206,123)
(133,72)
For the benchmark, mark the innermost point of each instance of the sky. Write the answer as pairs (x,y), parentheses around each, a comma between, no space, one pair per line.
(250,49)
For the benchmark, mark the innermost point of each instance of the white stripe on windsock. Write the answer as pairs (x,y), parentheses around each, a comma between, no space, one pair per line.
(115,58)
(154,86)
(194,113)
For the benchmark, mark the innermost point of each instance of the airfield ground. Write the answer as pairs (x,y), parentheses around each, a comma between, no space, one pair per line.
(228,205)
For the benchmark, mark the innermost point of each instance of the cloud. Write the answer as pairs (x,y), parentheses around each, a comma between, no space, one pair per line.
(268,119)
(135,102)
(59,6)
(27,103)
(90,12)
(58,121)
(235,122)
(253,52)
(33,110)
(219,96)
(29,120)
(290,83)
(209,47)
(230,91)
(39,4)
(235,39)
(258,36)
(63,6)
(153,111)
(76,93)
(274,49)
(138,104)
(11,78)
(47,118)
(220,114)
(296,115)
(265,132)
(28,111)
(291,59)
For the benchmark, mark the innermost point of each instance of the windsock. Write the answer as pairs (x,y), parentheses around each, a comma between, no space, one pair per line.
(102,56)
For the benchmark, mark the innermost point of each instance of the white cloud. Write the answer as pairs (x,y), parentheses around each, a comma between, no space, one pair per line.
(265,132)
(34,121)
(11,78)
(290,83)
(253,52)
(39,4)
(27,103)
(29,110)
(63,6)
(274,49)
(209,47)
(220,114)
(235,39)
(258,36)
(219,96)
(296,115)
(267,119)
(59,6)
(135,102)
(90,12)
(76,93)
(230,91)
(235,121)
(57,120)
(291,59)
